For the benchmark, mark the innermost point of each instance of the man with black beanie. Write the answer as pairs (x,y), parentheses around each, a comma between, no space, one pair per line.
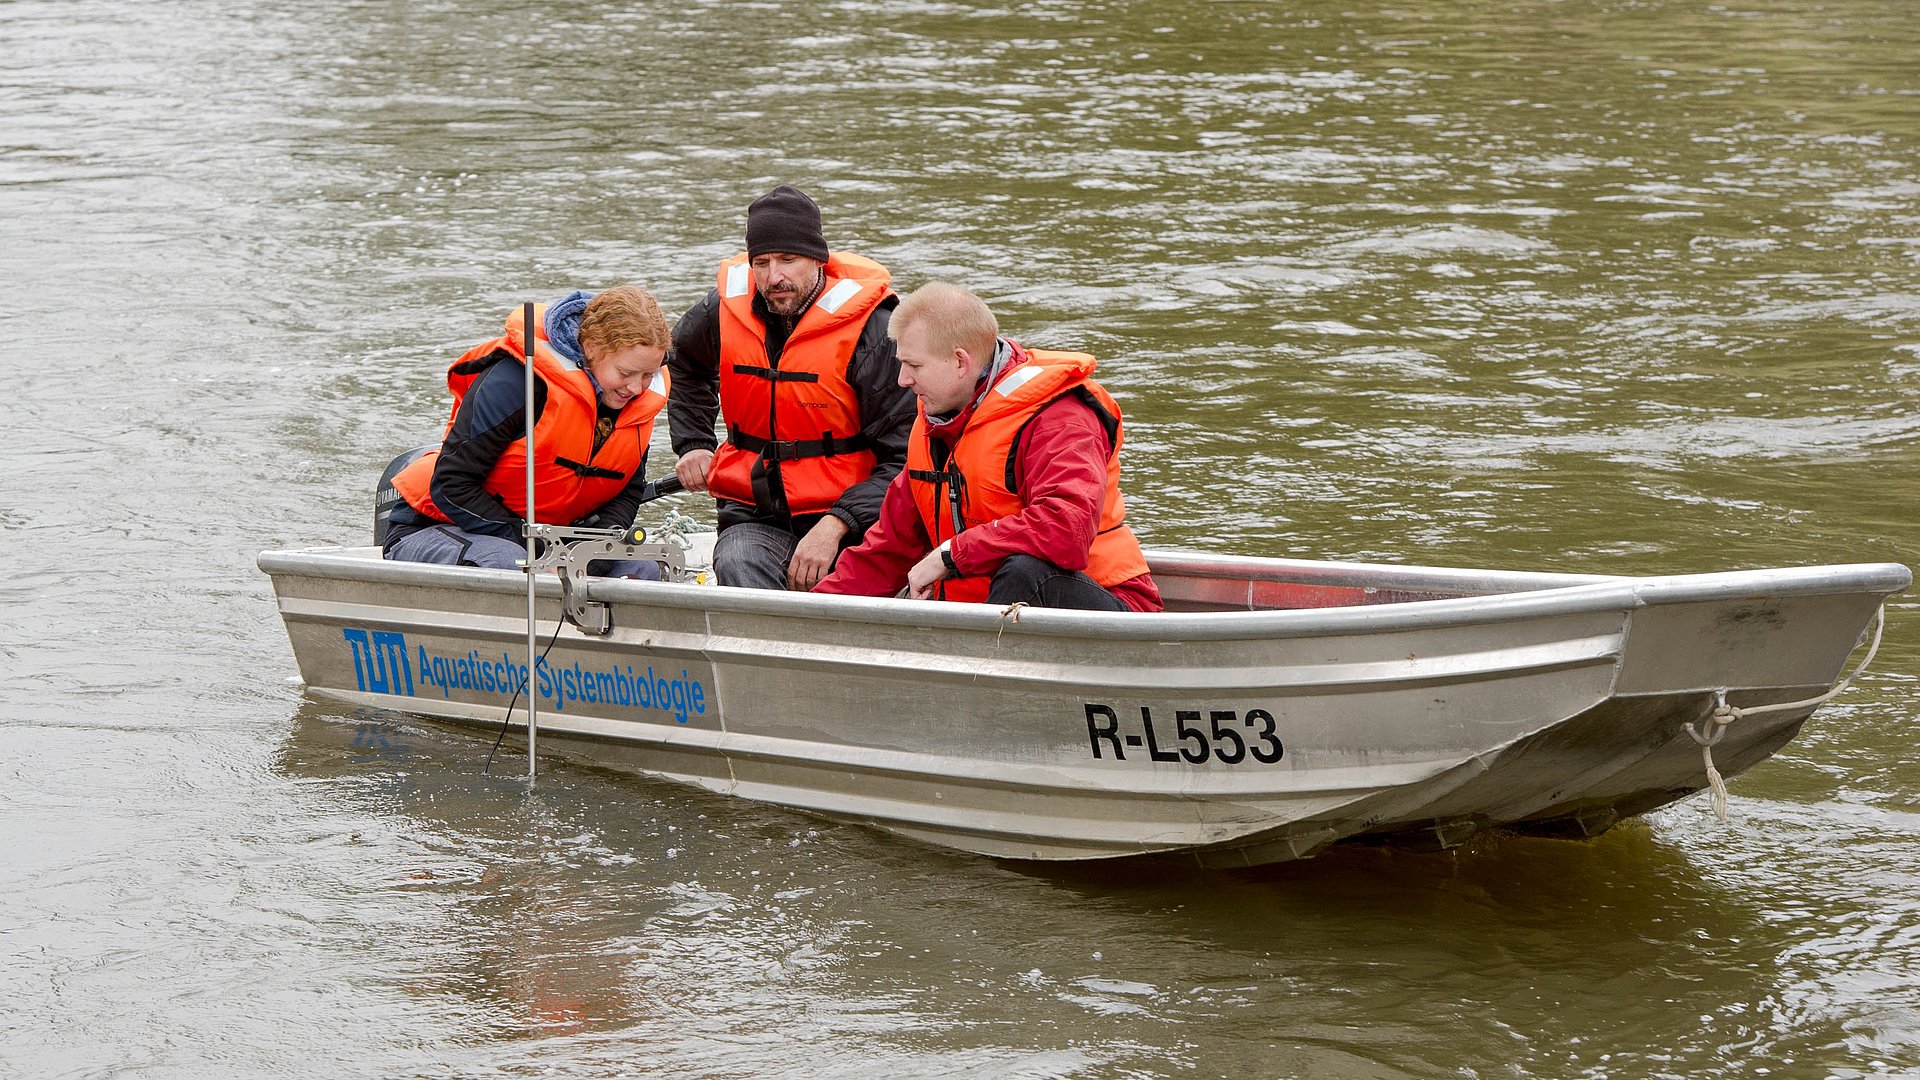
(791,350)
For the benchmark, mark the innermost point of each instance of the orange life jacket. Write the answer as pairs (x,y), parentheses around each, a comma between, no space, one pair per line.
(976,485)
(570,479)
(793,427)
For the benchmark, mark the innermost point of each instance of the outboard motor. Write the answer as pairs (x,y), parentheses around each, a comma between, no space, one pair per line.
(385,498)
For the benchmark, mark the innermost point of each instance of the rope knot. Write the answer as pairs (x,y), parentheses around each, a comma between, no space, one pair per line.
(1010,612)
(1713,726)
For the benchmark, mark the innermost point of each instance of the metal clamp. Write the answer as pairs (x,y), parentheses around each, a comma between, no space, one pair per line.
(569,549)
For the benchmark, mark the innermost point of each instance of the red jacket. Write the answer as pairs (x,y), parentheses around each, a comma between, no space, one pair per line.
(1062,472)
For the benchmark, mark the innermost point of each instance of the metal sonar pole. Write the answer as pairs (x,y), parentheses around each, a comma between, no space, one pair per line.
(533,659)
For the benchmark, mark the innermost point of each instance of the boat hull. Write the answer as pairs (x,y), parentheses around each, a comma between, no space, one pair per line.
(1400,705)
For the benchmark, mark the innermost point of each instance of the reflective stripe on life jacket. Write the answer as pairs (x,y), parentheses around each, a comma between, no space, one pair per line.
(976,484)
(794,443)
(571,479)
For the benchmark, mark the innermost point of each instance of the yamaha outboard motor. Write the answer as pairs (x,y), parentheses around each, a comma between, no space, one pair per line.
(385,498)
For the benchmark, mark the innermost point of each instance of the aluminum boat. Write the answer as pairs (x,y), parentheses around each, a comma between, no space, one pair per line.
(1276,707)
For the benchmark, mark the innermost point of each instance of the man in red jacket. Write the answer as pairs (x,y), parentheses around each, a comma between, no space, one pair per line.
(1011,491)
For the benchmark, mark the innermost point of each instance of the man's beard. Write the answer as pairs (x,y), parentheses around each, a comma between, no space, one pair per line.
(787,304)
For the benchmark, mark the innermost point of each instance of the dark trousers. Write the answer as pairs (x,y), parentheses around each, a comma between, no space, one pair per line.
(1024,579)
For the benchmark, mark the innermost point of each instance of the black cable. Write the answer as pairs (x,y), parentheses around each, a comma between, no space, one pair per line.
(507,720)
(666,485)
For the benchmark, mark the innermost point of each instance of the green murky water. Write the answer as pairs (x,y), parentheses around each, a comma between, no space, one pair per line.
(1622,287)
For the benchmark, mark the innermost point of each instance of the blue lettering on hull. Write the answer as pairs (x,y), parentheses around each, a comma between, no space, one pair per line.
(380,661)
(381,665)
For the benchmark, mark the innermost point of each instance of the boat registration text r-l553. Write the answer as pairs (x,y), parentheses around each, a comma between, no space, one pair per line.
(1222,735)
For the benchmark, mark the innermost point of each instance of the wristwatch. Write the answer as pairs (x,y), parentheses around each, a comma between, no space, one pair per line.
(946,557)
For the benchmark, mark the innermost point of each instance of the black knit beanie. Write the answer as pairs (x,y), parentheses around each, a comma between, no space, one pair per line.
(786,222)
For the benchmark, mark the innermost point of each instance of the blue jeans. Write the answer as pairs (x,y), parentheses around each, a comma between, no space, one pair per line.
(750,555)
(450,546)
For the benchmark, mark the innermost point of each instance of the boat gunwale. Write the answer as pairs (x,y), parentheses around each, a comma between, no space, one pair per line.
(1583,594)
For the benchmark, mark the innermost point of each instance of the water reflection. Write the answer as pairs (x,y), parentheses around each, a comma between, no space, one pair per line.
(615,912)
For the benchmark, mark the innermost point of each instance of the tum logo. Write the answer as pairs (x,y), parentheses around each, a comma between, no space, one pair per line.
(380,661)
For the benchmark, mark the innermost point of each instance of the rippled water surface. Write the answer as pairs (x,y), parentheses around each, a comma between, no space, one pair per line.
(1624,287)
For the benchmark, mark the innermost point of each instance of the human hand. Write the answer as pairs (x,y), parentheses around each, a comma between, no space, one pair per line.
(813,556)
(928,572)
(692,469)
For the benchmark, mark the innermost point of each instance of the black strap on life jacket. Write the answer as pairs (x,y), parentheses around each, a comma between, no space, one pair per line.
(772,374)
(589,472)
(954,482)
(795,449)
(951,482)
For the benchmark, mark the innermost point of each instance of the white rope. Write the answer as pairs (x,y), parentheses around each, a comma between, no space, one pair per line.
(1713,727)
(677,528)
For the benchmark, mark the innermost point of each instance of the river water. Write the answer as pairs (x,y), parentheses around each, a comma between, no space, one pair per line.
(1623,287)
